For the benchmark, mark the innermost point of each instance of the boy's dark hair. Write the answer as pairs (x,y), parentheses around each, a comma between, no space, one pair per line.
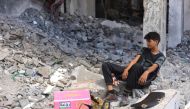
(152,35)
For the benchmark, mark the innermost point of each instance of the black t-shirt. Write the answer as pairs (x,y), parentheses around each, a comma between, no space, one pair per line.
(147,59)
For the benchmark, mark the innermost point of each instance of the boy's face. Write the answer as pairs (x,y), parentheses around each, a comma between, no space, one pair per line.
(151,43)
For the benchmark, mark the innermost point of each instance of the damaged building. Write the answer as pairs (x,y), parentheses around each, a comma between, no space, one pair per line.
(49,45)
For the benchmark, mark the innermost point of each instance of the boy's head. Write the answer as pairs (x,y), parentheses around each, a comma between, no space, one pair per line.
(152,39)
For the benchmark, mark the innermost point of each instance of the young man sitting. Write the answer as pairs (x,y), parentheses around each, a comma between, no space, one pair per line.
(139,72)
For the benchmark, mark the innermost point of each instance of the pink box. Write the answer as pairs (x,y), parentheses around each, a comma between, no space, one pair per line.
(71,99)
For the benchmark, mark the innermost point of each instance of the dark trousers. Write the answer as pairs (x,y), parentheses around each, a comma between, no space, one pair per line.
(133,75)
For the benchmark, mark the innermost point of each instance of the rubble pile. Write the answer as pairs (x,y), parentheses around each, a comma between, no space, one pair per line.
(40,55)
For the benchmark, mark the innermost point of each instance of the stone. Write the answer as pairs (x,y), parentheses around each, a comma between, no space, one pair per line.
(35,23)
(44,71)
(187,106)
(6,103)
(30,72)
(4,53)
(17,33)
(1,38)
(17,108)
(24,103)
(59,74)
(113,24)
(48,89)
(83,62)
(91,80)
(1,89)
(35,98)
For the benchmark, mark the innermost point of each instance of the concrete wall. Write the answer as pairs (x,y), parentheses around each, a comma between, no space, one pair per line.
(81,7)
(15,8)
(155,20)
(186,14)
(175,22)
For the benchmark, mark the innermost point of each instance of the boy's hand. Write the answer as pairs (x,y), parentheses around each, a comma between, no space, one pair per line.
(125,75)
(143,78)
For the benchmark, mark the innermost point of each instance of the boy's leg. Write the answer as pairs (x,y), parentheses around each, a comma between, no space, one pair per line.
(108,69)
(134,74)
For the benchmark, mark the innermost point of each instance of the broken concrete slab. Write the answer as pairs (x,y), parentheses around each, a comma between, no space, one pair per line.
(83,74)
(87,79)
(170,101)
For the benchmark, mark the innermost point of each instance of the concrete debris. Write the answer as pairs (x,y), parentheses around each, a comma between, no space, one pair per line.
(48,90)
(4,53)
(44,71)
(113,24)
(24,103)
(58,75)
(187,106)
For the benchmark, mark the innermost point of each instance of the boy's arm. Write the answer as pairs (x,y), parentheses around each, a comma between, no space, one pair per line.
(151,69)
(134,61)
(144,76)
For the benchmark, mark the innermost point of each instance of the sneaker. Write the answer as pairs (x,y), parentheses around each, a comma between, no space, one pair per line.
(111,96)
(124,101)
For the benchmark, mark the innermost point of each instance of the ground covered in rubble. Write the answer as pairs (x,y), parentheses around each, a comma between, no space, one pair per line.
(40,54)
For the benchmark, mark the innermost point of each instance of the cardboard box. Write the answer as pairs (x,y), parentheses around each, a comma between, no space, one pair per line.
(72,99)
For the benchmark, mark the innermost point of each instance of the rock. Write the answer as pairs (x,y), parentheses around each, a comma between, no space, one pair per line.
(35,23)
(17,108)
(115,57)
(17,33)
(1,38)
(44,71)
(82,74)
(16,104)
(29,106)
(24,103)
(19,58)
(39,80)
(48,89)
(4,52)
(6,103)
(73,77)
(58,75)
(113,24)
(87,79)
(30,72)
(35,98)
(83,62)
(187,106)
